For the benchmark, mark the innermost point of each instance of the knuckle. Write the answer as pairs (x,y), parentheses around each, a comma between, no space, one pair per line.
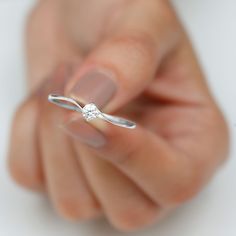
(130,219)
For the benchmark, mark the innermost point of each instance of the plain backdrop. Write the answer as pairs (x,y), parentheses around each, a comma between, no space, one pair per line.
(212,26)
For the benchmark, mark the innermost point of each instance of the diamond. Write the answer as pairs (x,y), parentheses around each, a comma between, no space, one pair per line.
(90,112)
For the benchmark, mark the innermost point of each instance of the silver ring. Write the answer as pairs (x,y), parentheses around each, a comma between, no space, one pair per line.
(89,111)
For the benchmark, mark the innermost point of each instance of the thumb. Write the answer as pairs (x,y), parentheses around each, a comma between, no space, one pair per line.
(123,64)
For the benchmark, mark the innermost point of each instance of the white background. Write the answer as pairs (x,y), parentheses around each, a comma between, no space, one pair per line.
(212,26)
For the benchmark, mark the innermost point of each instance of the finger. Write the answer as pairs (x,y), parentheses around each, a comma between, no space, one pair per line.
(24,158)
(124,204)
(123,64)
(66,183)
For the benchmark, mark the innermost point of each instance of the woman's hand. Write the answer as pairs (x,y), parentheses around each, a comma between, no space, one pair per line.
(134,59)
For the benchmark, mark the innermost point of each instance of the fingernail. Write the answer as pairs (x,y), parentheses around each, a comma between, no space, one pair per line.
(95,86)
(84,132)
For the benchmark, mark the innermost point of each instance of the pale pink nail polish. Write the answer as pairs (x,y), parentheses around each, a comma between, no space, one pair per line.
(95,86)
(98,87)
(84,132)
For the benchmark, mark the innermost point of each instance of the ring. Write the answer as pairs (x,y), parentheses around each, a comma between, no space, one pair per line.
(89,111)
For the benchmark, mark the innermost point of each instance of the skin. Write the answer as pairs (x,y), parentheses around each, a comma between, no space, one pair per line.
(181,138)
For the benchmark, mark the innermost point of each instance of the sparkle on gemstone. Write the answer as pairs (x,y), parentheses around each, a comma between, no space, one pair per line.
(90,112)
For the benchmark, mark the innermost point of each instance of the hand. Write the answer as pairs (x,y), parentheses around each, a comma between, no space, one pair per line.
(134,59)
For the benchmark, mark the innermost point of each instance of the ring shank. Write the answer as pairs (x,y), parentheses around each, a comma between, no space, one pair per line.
(119,121)
(65,102)
(71,104)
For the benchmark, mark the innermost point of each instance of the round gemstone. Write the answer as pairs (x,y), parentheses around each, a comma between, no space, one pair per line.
(90,112)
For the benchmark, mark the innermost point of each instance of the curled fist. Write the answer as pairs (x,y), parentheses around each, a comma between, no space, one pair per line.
(132,59)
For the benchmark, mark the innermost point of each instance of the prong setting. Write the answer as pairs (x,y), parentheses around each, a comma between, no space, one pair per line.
(90,112)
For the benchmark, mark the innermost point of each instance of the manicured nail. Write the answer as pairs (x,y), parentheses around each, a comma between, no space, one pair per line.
(84,132)
(95,86)
(98,87)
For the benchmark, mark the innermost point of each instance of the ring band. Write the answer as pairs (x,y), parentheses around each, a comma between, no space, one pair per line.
(89,111)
